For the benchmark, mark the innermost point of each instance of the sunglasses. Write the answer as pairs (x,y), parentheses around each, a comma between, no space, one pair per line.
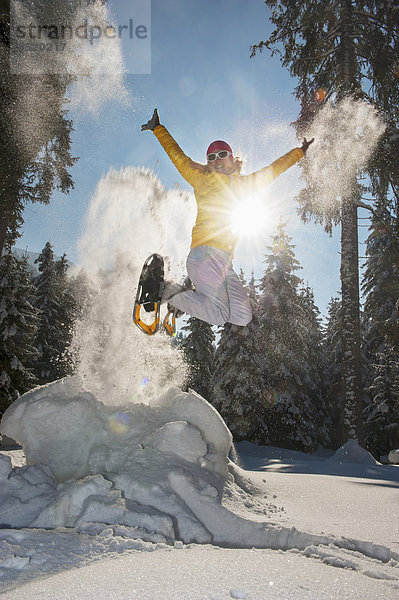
(221,154)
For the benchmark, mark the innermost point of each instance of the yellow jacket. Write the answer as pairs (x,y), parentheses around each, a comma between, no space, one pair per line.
(216,193)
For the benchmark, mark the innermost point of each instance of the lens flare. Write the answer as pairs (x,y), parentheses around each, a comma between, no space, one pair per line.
(270,398)
(118,423)
(320,95)
(250,216)
(138,396)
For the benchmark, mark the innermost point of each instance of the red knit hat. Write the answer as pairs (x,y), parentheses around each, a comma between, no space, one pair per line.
(218,145)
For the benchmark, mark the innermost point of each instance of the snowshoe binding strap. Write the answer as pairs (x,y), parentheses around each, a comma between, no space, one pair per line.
(169,323)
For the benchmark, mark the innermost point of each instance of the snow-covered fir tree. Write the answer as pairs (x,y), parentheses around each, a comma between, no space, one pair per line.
(291,413)
(18,325)
(315,365)
(224,376)
(67,314)
(333,354)
(381,340)
(346,50)
(199,350)
(84,295)
(381,282)
(55,305)
(35,153)
(237,389)
(382,415)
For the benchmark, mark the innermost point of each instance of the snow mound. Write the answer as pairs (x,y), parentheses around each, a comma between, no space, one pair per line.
(76,436)
(160,469)
(351,452)
(159,472)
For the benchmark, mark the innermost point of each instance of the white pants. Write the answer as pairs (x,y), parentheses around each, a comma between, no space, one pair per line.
(219,295)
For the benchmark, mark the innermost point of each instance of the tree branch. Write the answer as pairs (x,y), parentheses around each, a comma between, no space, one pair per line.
(377,216)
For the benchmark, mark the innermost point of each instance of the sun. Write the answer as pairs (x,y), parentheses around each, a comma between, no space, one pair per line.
(250,217)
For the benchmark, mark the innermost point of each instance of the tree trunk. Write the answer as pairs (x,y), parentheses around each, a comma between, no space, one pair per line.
(351,367)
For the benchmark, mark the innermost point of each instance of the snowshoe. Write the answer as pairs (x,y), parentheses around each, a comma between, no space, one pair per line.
(149,294)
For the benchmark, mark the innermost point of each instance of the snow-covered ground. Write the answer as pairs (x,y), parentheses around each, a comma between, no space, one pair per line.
(142,502)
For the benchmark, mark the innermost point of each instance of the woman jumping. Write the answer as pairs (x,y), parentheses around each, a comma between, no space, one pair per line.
(219,296)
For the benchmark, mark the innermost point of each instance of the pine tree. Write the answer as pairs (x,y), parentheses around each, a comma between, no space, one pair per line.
(83,294)
(250,366)
(382,424)
(333,352)
(237,389)
(346,49)
(315,365)
(381,282)
(67,315)
(198,347)
(54,330)
(35,153)
(224,378)
(82,290)
(291,414)
(381,345)
(18,325)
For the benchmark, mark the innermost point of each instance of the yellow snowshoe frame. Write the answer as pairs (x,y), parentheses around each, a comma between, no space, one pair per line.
(149,329)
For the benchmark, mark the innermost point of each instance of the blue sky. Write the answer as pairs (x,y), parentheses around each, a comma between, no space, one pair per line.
(206,87)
